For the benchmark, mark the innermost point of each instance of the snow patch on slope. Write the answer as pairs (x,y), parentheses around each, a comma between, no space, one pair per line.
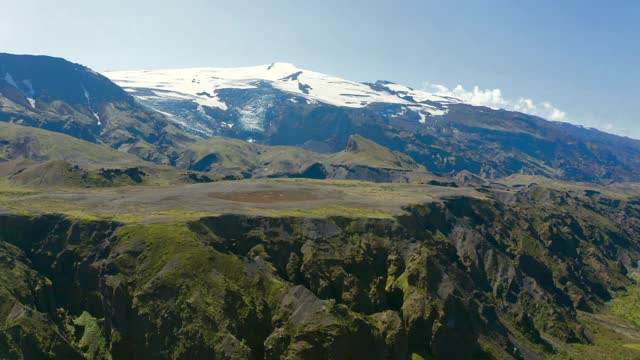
(9,80)
(418,95)
(423,118)
(29,93)
(27,83)
(88,97)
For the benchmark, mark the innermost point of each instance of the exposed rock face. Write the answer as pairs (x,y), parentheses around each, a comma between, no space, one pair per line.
(310,328)
(459,279)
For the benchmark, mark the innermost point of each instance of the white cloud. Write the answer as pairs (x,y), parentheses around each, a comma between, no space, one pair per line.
(493,98)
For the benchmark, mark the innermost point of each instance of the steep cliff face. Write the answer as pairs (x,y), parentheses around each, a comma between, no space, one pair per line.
(462,272)
(462,278)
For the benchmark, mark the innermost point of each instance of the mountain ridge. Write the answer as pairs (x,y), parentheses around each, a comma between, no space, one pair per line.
(28,155)
(444,134)
(283,108)
(131,80)
(61,96)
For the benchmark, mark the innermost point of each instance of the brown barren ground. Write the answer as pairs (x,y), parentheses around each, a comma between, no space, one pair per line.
(266,197)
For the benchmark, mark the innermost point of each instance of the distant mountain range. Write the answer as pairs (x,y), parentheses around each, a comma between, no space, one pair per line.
(192,97)
(203,213)
(279,104)
(158,115)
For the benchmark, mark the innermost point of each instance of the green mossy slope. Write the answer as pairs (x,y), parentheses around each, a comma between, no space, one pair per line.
(462,278)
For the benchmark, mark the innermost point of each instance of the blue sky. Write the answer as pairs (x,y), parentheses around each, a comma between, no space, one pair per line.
(576,61)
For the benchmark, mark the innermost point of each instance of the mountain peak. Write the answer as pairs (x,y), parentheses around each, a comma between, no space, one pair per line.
(357,143)
(360,150)
(208,88)
(282,66)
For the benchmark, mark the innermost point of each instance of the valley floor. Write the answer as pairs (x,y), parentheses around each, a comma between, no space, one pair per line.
(276,197)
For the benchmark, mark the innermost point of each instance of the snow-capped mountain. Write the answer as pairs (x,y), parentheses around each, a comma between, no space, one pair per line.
(280,104)
(177,93)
